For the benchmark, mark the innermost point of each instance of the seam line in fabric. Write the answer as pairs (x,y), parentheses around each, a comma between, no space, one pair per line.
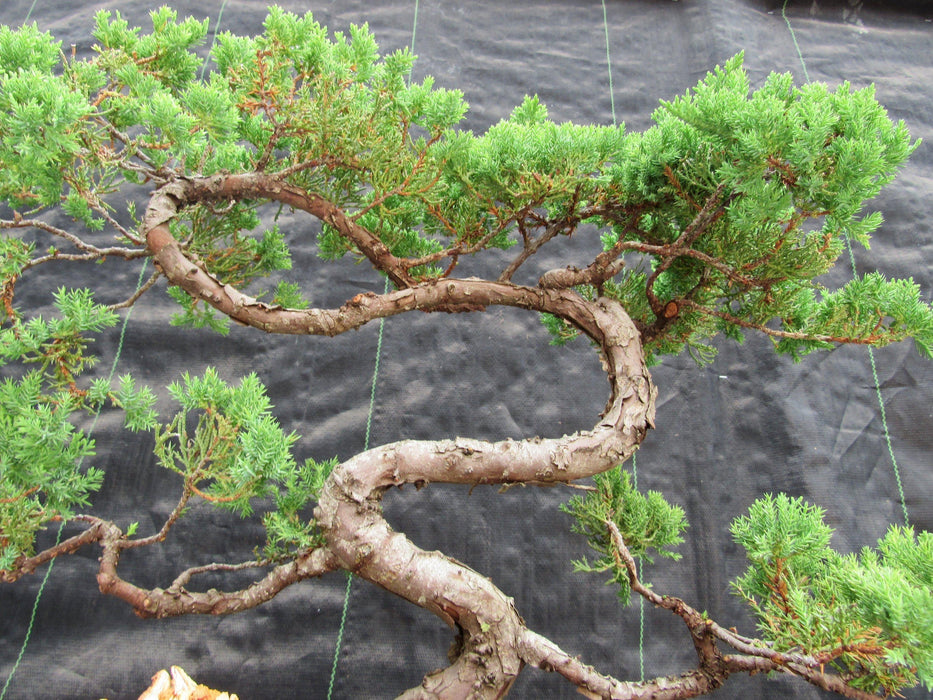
(61,526)
(641,601)
(369,420)
(113,368)
(871,352)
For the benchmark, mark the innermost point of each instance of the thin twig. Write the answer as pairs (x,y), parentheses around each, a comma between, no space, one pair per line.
(458,250)
(166,526)
(91,252)
(146,286)
(132,237)
(804,666)
(791,335)
(534,245)
(185,576)
(84,257)
(419,163)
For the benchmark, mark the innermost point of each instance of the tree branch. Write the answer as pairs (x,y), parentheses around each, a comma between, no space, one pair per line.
(175,601)
(166,202)
(28,565)
(349,511)
(133,298)
(544,654)
(532,246)
(775,333)
(800,665)
(91,252)
(185,576)
(166,526)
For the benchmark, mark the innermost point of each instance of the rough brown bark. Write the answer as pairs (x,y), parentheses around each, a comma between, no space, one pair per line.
(364,543)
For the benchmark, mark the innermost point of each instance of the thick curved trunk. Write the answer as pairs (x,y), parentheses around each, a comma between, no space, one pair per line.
(349,510)
(489,654)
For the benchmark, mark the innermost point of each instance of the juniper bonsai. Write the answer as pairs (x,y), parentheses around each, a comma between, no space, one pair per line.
(717,220)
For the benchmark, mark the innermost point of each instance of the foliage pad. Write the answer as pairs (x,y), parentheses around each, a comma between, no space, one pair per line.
(869,614)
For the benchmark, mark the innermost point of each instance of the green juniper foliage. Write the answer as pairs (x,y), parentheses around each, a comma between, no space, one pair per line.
(237,454)
(42,453)
(287,526)
(720,218)
(237,445)
(646,523)
(870,614)
(782,172)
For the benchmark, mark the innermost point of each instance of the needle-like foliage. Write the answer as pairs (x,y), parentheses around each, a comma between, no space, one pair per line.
(868,614)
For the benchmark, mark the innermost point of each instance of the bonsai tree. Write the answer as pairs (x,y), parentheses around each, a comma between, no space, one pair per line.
(718,220)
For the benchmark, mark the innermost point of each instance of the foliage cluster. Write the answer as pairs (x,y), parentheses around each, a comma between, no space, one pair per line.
(646,523)
(237,455)
(42,453)
(869,614)
(732,204)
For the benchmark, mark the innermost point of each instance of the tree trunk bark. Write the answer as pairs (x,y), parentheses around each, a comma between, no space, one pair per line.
(491,632)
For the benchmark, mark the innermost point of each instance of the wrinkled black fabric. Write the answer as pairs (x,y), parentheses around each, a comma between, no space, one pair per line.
(748,424)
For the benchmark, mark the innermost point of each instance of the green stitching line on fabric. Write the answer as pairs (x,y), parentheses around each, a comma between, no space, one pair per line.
(61,527)
(369,423)
(612,96)
(31,8)
(343,623)
(871,352)
(35,605)
(641,601)
(414,31)
(884,417)
(220,15)
(793,37)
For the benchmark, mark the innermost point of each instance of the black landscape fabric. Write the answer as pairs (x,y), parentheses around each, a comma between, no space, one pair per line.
(747,424)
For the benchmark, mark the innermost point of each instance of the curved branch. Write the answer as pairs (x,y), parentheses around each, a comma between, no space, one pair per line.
(776,333)
(544,654)
(433,295)
(133,298)
(348,512)
(91,252)
(28,565)
(806,667)
(166,202)
(175,601)
(163,531)
(494,642)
